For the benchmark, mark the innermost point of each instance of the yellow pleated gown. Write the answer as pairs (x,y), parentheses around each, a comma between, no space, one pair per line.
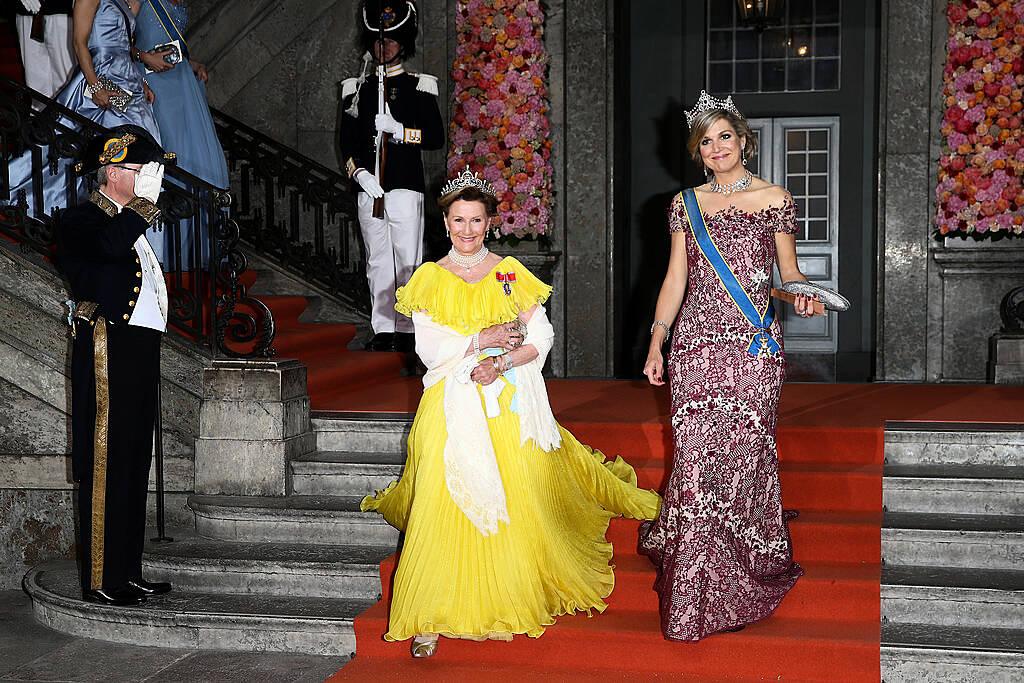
(552,558)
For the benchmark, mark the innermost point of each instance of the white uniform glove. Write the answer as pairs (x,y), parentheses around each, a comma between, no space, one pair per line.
(369,183)
(32,6)
(386,124)
(148,181)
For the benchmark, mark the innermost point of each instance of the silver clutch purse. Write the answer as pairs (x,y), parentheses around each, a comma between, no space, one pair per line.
(832,300)
(121,97)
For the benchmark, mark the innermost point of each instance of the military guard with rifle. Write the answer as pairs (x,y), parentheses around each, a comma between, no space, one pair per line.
(116,325)
(389,117)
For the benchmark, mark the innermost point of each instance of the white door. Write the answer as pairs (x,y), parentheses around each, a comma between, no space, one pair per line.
(802,155)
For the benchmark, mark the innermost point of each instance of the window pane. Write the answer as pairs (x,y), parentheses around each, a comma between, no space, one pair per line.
(817,163)
(801,11)
(817,230)
(817,208)
(746,44)
(720,77)
(773,43)
(826,41)
(796,163)
(796,140)
(799,43)
(801,234)
(818,140)
(826,74)
(817,184)
(801,206)
(826,11)
(720,13)
(799,75)
(773,76)
(796,184)
(720,45)
(746,76)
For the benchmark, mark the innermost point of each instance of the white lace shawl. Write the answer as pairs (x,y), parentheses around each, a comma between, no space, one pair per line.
(470,466)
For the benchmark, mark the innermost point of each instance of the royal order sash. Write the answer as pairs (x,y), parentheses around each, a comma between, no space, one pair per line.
(169,26)
(762,341)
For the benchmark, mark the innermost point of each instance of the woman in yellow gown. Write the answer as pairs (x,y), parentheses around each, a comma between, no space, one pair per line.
(504,511)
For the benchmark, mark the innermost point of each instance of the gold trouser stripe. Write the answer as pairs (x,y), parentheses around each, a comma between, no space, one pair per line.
(99,453)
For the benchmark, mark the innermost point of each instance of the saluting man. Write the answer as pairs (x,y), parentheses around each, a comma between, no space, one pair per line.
(117,324)
(409,122)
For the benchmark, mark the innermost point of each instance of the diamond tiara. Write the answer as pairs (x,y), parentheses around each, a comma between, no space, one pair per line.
(706,102)
(467,179)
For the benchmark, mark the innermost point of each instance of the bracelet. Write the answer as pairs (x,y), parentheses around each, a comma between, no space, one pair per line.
(93,88)
(476,345)
(668,332)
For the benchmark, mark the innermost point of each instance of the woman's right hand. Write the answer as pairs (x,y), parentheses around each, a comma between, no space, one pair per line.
(101,98)
(504,336)
(154,61)
(654,368)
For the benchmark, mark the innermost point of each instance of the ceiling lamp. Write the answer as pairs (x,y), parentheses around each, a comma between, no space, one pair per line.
(760,13)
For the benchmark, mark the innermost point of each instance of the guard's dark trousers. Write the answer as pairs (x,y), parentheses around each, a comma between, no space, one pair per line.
(114,372)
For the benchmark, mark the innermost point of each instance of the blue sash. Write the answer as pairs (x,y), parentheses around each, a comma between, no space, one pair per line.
(762,341)
(165,20)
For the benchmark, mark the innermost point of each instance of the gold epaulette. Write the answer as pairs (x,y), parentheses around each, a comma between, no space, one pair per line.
(144,208)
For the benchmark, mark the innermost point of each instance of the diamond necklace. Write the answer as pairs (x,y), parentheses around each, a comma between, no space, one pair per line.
(735,186)
(468,262)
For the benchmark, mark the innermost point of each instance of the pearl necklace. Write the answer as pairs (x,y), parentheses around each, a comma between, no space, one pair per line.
(468,262)
(735,186)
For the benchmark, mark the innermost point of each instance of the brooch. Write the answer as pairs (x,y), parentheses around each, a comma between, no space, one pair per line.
(506,280)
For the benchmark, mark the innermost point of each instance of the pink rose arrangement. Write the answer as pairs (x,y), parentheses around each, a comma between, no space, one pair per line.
(500,125)
(981,169)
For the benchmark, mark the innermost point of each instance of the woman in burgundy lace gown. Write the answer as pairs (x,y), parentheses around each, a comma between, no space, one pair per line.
(722,542)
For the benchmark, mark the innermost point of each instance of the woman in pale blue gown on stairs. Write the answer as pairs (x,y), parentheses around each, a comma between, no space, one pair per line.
(181,109)
(102,41)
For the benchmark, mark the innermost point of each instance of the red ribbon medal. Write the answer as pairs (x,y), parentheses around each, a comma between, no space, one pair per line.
(506,280)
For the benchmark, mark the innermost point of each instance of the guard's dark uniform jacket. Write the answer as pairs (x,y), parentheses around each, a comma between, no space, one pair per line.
(114,372)
(412,101)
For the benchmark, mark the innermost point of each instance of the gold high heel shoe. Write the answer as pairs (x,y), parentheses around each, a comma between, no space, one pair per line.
(423,648)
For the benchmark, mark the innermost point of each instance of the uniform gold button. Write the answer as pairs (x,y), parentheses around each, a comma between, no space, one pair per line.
(138,274)
(131,303)
(92,322)
(138,261)
(136,290)
(125,316)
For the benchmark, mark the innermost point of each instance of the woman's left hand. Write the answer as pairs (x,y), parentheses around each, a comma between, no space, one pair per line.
(149,93)
(199,70)
(485,373)
(804,305)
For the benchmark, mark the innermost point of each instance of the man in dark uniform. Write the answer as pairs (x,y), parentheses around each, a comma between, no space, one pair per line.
(410,122)
(117,324)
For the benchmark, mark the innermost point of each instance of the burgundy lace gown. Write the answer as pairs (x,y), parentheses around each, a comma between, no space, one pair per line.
(722,542)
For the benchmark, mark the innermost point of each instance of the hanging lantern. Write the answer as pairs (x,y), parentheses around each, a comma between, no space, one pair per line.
(760,13)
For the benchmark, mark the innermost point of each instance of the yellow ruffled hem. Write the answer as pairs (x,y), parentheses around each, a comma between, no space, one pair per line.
(469,307)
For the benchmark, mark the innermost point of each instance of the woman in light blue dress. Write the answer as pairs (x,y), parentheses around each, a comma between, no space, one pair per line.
(102,30)
(181,108)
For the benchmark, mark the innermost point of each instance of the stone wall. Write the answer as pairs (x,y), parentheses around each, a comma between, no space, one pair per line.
(938,301)
(36,492)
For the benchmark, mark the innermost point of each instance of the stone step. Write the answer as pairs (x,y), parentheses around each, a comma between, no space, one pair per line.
(202,621)
(368,433)
(334,473)
(951,443)
(322,520)
(950,596)
(949,540)
(962,489)
(201,565)
(923,653)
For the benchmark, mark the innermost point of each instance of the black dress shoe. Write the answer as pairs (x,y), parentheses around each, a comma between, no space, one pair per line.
(144,587)
(122,596)
(735,629)
(382,341)
(405,342)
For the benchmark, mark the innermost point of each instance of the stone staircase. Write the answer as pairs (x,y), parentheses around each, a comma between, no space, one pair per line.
(953,552)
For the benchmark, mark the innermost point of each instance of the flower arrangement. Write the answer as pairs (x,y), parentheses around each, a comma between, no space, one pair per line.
(500,126)
(981,168)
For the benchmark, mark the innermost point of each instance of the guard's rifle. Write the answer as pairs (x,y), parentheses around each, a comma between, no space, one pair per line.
(380,142)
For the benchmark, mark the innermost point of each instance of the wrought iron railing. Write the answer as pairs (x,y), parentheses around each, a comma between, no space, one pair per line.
(208,303)
(298,213)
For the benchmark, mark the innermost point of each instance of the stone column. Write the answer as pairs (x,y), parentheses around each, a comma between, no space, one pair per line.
(254,419)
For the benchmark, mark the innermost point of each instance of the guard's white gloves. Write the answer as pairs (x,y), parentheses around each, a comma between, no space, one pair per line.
(149,180)
(368,182)
(32,6)
(386,123)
